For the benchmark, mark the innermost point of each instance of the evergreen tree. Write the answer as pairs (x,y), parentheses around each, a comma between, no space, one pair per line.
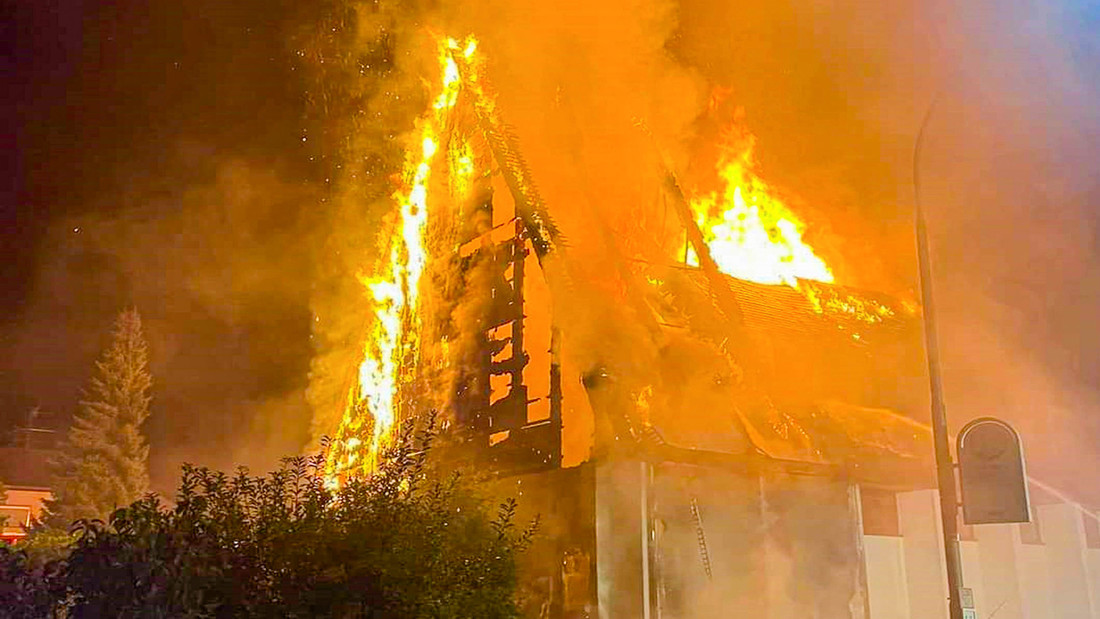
(102,464)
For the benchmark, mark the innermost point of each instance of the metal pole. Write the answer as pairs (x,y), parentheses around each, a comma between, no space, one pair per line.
(644,486)
(945,468)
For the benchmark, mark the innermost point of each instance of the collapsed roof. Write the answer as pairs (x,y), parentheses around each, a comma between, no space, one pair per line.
(830,366)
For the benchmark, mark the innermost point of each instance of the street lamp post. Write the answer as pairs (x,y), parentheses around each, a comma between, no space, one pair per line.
(945,468)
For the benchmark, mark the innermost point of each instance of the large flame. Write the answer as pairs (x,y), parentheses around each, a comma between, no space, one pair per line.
(751,233)
(391,348)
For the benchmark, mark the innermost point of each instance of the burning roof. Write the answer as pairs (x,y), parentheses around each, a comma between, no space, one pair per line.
(811,309)
(756,338)
(830,368)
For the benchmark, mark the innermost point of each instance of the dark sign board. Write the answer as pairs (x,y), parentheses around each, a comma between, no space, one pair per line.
(991,473)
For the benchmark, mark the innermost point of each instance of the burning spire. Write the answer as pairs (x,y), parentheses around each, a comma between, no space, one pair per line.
(392,347)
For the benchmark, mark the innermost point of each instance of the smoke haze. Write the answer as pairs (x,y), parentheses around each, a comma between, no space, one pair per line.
(241,247)
(159,164)
(835,96)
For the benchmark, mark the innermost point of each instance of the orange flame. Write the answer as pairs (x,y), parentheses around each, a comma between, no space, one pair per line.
(374,408)
(751,233)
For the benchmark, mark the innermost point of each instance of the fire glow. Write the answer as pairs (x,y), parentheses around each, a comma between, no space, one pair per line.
(751,233)
(391,348)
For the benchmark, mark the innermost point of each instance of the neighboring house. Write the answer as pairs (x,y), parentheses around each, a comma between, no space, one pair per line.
(24,469)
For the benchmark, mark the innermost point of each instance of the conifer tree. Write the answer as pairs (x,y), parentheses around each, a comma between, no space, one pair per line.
(102,462)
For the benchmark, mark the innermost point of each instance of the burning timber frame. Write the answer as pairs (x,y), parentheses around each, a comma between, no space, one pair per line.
(655,523)
(620,516)
(517,444)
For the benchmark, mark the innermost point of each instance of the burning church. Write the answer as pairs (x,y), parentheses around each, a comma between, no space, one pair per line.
(714,471)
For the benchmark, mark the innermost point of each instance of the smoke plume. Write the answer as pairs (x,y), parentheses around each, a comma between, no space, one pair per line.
(599,93)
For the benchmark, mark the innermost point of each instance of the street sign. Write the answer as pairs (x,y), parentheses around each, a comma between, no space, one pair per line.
(991,473)
(966,600)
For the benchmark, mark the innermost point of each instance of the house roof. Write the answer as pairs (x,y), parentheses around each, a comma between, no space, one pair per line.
(815,315)
(25,468)
(814,308)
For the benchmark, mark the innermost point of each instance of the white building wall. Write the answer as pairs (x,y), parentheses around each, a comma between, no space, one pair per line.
(1064,538)
(1034,582)
(973,574)
(1000,554)
(1056,579)
(926,575)
(1092,556)
(886,582)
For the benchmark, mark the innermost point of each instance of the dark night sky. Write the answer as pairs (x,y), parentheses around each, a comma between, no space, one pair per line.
(114,114)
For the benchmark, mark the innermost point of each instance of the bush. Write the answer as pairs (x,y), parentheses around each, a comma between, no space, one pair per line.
(399,544)
(27,587)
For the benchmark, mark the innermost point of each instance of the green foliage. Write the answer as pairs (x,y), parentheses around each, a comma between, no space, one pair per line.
(44,544)
(103,459)
(29,590)
(401,544)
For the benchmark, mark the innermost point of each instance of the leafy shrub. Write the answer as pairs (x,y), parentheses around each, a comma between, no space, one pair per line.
(401,543)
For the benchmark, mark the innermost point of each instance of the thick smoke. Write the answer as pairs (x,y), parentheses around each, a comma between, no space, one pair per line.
(595,99)
(366,88)
(835,95)
(161,165)
(1008,190)
(1011,204)
(599,92)
(223,305)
